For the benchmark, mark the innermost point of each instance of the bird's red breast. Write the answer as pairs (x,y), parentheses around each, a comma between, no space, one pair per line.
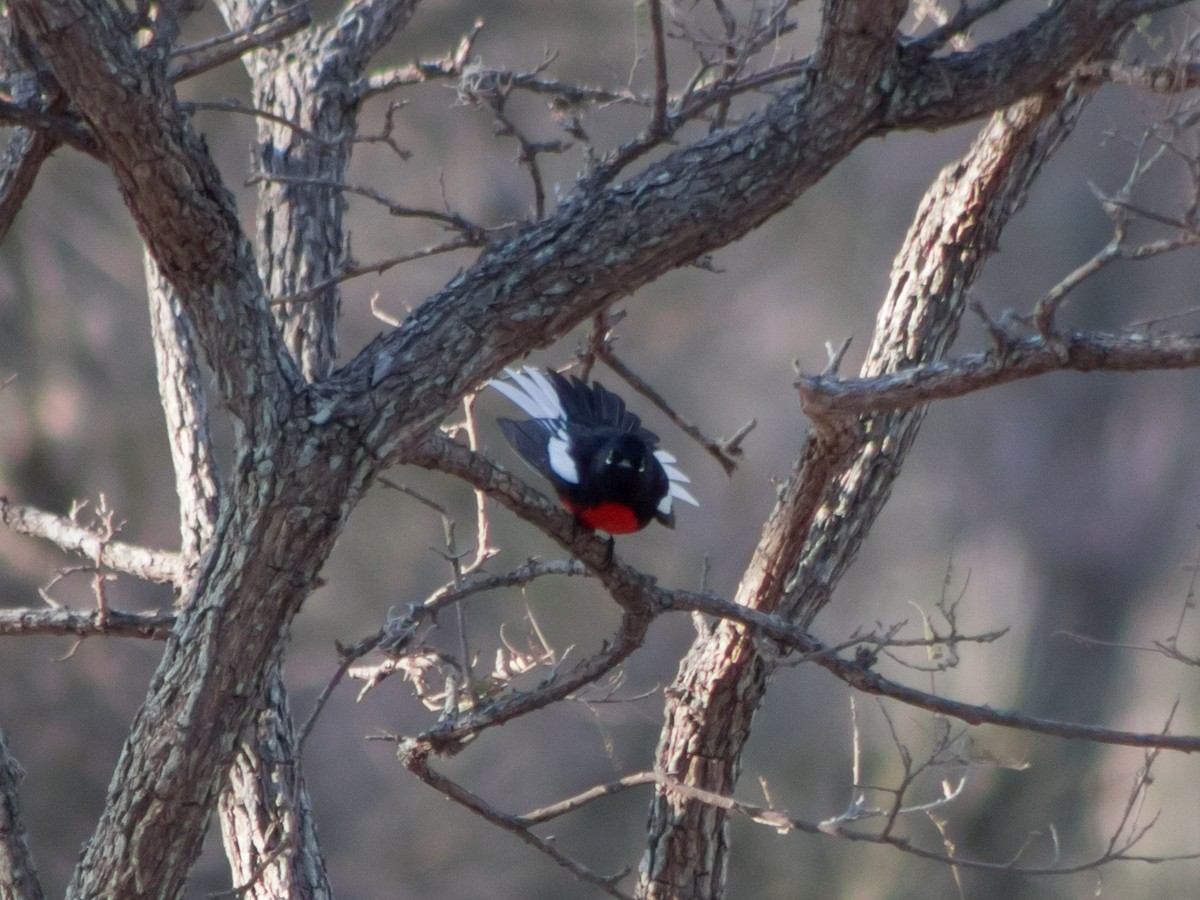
(611,518)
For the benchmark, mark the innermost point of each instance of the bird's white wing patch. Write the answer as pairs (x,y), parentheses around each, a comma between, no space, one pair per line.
(680,492)
(674,474)
(532,392)
(540,386)
(558,451)
(677,481)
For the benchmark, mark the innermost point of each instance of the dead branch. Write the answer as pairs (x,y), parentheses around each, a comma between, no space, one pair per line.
(821,396)
(152,565)
(64,621)
(583,798)
(726,451)
(204,56)
(414,759)
(450,65)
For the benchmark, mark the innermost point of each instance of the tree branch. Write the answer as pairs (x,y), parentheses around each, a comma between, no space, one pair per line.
(415,761)
(86,623)
(640,593)
(931,90)
(187,62)
(18,874)
(23,156)
(152,565)
(185,408)
(800,558)
(174,191)
(1027,358)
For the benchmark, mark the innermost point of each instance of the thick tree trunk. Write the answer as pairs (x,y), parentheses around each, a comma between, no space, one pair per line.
(18,874)
(722,680)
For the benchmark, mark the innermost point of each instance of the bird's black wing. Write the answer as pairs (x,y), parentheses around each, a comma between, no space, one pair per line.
(597,407)
(530,439)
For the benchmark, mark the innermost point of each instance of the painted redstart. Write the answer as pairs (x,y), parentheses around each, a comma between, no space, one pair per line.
(602,462)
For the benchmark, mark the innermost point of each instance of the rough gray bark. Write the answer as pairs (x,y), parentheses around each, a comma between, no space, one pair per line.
(724,677)
(265,814)
(308,442)
(18,874)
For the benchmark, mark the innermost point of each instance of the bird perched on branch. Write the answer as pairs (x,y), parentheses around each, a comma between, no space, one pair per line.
(602,462)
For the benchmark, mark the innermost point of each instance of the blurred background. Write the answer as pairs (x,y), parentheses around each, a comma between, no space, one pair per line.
(1063,506)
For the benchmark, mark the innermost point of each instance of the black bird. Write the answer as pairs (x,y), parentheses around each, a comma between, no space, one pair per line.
(602,462)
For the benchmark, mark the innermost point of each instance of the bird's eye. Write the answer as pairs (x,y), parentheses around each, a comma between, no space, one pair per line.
(608,460)
(641,466)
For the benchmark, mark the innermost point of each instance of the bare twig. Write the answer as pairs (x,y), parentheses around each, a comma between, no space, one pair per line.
(1047,307)
(205,55)
(451,65)
(477,235)
(387,135)
(416,762)
(395,635)
(234,106)
(658,117)
(782,823)
(582,799)
(727,452)
(1167,78)
(530,149)
(483,546)
(152,565)
(356,270)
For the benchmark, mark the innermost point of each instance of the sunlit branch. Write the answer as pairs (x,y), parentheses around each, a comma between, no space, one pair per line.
(153,565)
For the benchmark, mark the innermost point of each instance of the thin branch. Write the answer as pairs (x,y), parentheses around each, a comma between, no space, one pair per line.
(234,106)
(565,92)
(396,635)
(450,735)
(478,235)
(782,822)
(530,149)
(859,675)
(451,65)
(203,56)
(152,565)
(356,270)
(643,599)
(483,546)
(582,799)
(64,621)
(658,117)
(1166,78)
(1047,308)
(727,452)
(417,763)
